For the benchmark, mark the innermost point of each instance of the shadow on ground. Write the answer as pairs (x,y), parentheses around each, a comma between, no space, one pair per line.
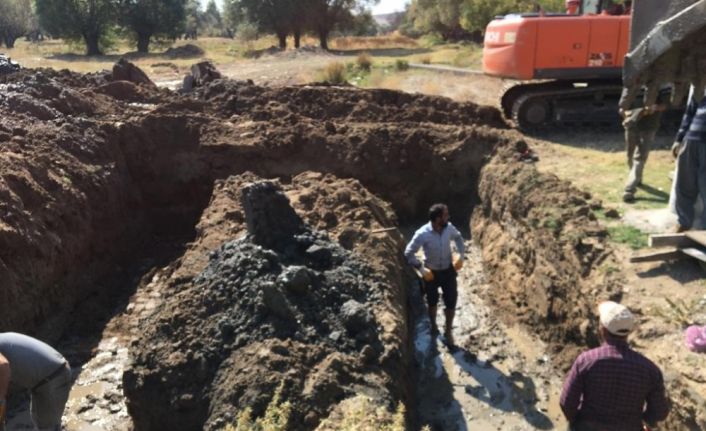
(514,393)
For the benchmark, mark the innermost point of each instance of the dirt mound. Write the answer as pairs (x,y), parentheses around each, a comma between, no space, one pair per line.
(305,311)
(123,70)
(546,253)
(184,51)
(7,66)
(349,104)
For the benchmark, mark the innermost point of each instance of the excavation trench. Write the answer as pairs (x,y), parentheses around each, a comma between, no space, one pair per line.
(124,208)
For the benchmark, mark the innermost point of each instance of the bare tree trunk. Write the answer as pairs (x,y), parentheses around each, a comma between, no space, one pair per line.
(282,40)
(10,40)
(92,47)
(297,38)
(323,39)
(143,43)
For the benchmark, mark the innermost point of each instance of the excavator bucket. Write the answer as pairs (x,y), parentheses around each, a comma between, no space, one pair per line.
(667,48)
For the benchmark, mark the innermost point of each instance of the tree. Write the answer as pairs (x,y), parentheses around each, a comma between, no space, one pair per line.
(78,20)
(276,16)
(212,21)
(327,14)
(442,17)
(15,20)
(476,14)
(193,19)
(234,15)
(153,18)
(455,19)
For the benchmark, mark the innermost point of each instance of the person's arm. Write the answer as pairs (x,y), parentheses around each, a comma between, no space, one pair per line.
(411,250)
(689,113)
(571,392)
(458,240)
(4,384)
(658,406)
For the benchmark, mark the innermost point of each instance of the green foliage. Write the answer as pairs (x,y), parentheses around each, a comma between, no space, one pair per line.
(361,24)
(276,416)
(335,73)
(16,19)
(146,19)
(401,65)
(76,20)
(632,237)
(454,19)
(247,32)
(281,17)
(364,61)
(212,21)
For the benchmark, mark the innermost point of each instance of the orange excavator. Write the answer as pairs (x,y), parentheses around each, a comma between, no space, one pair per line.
(569,64)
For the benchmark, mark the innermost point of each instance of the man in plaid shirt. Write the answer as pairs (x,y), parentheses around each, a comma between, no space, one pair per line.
(612,387)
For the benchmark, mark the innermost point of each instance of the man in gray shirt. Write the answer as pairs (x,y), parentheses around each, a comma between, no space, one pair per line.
(439,268)
(29,364)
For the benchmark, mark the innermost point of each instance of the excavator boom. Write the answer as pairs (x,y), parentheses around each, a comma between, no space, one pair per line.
(667,48)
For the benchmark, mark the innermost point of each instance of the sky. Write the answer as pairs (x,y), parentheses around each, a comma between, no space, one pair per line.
(384,6)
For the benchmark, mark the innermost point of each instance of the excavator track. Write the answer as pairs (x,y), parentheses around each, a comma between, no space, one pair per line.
(536,106)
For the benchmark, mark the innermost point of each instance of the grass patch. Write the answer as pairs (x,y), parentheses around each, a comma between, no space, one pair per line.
(374,42)
(364,62)
(335,73)
(628,235)
(276,417)
(361,414)
(401,65)
(603,173)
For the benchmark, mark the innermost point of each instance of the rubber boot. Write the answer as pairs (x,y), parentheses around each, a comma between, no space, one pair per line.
(432,319)
(448,333)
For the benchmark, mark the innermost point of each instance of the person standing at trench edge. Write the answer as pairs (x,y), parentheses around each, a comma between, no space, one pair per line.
(613,387)
(439,268)
(27,364)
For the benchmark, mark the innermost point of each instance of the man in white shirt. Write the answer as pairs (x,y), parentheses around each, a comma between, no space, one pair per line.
(439,268)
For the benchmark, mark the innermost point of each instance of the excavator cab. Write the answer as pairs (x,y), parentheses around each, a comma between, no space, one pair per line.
(573,62)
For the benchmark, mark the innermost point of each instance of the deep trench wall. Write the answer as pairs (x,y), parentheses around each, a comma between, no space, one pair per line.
(92,167)
(545,252)
(54,239)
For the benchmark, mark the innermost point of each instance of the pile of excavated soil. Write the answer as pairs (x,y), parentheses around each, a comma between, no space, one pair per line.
(282,305)
(91,169)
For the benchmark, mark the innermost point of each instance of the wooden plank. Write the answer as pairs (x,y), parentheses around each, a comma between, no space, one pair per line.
(698,236)
(695,253)
(669,254)
(671,240)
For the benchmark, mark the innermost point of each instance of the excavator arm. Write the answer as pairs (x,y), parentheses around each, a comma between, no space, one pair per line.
(667,48)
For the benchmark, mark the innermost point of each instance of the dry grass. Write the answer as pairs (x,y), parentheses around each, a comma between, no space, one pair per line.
(364,61)
(335,73)
(58,54)
(374,42)
(361,414)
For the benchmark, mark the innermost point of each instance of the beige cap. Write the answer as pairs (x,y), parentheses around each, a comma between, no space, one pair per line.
(616,318)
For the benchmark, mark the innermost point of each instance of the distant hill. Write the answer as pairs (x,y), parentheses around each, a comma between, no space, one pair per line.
(389,21)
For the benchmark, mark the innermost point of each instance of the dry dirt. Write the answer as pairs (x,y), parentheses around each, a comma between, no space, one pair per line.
(121,236)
